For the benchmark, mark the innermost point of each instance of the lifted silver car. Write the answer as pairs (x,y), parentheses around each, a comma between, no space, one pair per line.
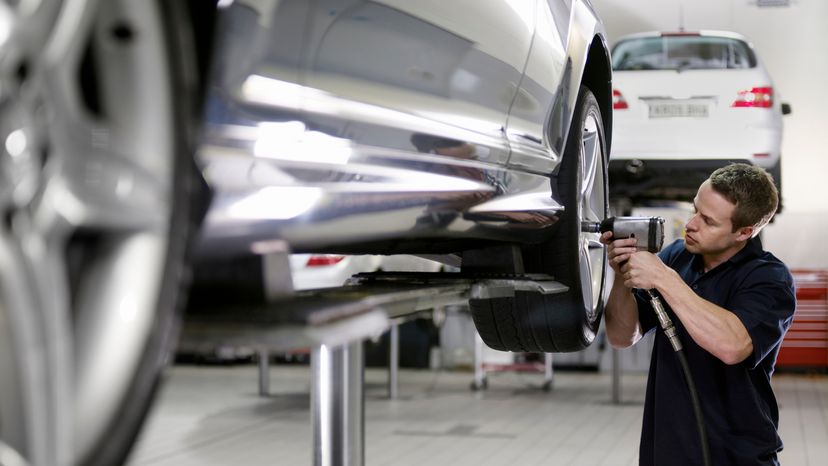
(472,131)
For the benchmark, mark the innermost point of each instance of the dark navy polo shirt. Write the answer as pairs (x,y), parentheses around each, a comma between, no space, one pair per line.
(740,409)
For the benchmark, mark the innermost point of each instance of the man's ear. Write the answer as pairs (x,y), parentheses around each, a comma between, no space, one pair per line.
(745,233)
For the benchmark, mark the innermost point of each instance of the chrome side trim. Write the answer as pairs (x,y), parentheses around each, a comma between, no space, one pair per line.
(279,95)
(405,194)
(540,202)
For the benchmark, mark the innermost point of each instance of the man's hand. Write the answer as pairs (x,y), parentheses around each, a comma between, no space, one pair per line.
(643,270)
(621,312)
(637,269)
(618,251)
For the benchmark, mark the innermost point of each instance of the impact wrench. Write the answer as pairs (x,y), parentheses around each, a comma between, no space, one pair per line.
(649,235)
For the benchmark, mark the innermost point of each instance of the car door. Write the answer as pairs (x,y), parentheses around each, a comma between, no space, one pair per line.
(364,108)
(454,65)
(539,107)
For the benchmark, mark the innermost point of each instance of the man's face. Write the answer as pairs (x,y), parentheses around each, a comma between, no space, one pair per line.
(710,229)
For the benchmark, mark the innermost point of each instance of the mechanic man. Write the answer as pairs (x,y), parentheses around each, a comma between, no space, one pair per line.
(731,302)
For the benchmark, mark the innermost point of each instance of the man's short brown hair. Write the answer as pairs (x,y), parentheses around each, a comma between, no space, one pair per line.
(751,189)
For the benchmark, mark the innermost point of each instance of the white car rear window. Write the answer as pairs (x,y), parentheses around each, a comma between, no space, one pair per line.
(681,53)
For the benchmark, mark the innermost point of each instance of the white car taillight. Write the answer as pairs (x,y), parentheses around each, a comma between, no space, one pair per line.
(761,97)
(323,260)
(618,102)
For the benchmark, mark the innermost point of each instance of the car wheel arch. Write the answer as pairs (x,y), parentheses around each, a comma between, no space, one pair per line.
(590,65)
(597,77)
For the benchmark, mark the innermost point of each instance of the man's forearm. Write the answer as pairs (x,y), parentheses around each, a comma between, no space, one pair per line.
(621,317)
(712,327)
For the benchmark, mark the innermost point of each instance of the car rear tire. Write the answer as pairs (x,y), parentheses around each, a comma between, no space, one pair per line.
(97,190)
(567,321)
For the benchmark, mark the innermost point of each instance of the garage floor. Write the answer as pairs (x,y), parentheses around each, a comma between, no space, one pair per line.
(209,415)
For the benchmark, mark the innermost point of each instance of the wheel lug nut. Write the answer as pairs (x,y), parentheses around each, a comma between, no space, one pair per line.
(123,32)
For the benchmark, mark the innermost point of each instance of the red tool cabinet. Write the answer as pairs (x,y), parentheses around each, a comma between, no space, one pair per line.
(806,344)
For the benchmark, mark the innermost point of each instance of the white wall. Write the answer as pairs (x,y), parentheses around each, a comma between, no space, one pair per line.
(793,43)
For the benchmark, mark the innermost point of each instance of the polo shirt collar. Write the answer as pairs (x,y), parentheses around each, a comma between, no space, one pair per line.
(752,250)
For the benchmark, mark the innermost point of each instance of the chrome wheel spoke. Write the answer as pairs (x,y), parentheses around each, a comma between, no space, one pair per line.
(17,330)
(26,28)
(592,201)
(586,268)
(118,296)
(34,315)
(35,340)
(110,149)
(104,191)
(591,148)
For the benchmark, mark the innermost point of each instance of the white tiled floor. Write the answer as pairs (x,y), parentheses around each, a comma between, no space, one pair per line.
(214,416)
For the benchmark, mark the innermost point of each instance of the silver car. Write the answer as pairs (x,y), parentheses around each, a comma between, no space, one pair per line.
(475,132)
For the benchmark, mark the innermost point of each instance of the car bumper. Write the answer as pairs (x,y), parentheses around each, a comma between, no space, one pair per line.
(652,179)
(756,140)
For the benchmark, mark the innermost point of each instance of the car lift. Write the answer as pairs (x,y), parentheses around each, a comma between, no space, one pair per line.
(334,322)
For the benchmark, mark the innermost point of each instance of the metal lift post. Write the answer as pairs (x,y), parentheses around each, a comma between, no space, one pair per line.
(334,322)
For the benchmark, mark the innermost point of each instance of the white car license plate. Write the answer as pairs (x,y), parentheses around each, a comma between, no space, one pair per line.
(679,110)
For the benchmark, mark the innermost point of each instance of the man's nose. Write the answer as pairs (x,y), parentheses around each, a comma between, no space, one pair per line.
(691,224)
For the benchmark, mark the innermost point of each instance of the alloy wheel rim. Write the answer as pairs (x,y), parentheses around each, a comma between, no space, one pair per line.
(592,206)
(87,176)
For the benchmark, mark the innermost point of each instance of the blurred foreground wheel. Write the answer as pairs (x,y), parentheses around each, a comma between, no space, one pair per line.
(96,187)
(568,321)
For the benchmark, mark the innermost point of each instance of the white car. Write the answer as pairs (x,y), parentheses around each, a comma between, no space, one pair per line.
(686,103)
(314,271)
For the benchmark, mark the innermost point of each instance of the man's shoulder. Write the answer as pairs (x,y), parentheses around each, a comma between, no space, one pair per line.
(770,267)
(757,258)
